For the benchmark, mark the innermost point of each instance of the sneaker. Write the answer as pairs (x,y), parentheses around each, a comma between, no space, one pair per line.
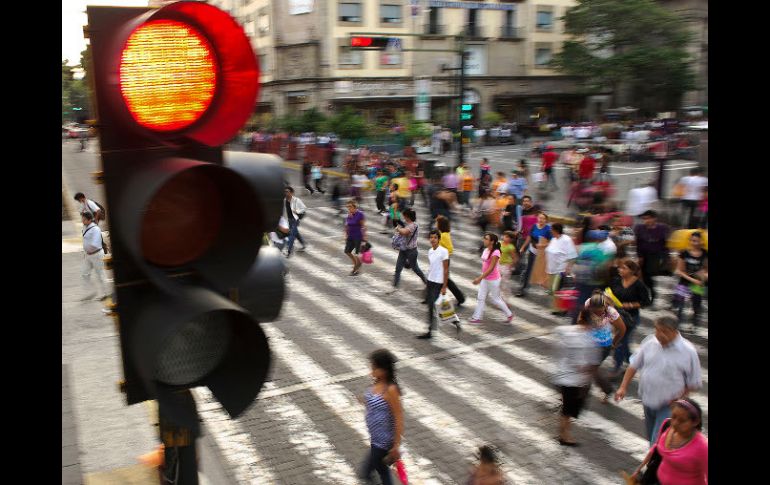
(474,321)
(458,327)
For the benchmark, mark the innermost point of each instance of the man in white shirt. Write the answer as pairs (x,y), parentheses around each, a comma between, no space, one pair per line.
(88,205)
(670,370)
(693,192)
(438,278)
(92,260)
(293,210)
(607,245)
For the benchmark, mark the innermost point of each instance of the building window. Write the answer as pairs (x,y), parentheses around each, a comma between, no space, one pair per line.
(391,56)
(542,56)
(350,12)
(544,20)
(433,21)
(349,58)
(297,97)
(263,66)
(390,14)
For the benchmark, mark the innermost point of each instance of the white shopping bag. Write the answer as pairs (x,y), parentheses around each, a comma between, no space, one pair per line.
(445,309)
(539,177)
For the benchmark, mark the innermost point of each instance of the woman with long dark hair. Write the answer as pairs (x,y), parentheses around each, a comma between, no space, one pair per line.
(384,416)
(630,291)
(489,280)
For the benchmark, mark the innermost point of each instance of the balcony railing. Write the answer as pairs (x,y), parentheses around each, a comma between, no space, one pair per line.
(509,32)
(435,29)
(473,31)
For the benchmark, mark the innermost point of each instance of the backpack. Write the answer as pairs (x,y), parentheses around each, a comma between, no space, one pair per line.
(102,210)
(400,242)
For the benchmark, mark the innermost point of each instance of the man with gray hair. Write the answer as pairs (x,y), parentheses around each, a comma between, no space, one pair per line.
(670,369)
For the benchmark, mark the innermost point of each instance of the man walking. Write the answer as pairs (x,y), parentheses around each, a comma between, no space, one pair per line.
(88,205)
(549,161)
(92,261)
(438,279)
(693,193)
(670,369)
(651,238)
(293,212)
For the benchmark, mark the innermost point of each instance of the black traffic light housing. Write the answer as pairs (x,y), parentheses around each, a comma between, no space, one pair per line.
(192,281)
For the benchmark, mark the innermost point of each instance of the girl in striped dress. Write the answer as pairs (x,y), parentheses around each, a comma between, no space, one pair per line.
(384,416)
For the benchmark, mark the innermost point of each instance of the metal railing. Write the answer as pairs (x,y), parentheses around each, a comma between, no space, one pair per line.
(473,31)
(510,32)
(435,29)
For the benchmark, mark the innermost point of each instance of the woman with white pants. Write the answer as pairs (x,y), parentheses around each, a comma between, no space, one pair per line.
(489,281)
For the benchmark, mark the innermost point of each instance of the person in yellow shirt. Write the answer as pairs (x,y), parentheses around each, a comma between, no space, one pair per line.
(500,180)
(403,194)
(465,188)
(501,202)
(442,224)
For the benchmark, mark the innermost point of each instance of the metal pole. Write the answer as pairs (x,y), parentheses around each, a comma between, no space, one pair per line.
(460,151)
(181,461)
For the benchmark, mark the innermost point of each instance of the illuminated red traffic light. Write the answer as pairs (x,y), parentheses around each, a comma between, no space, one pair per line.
(360,41)
(167,75)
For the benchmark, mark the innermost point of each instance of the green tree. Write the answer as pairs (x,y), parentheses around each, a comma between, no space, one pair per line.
(492,118)
(312,120)
(635,45)
(416,130)
(347,125)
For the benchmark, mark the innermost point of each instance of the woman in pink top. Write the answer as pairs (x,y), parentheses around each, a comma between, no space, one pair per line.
(489,280)
(683,449)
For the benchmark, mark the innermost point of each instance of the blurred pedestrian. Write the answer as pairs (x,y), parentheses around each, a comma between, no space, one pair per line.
(538,239)
(355,234)
(293,211)
(380,186)
(489,280)
(443,225)
(317,175)
(560,256)
(93,247)
(693,193)
(692,269)
(549,166)
(407,251)
(306,170)
(91,206)
(651,237)
(384,417)
(488,471)
(670,369)
(578,360)
(438,279)
(508,259)
(632,295)
(607,329)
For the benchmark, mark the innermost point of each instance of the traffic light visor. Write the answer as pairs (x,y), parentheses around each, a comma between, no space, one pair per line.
(167,75)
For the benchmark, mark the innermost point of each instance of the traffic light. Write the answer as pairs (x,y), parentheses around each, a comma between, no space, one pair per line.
(370,43)
(192,281)
(467,112)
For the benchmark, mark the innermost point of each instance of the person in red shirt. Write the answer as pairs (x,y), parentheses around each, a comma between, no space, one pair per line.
(586,168)
(549,160)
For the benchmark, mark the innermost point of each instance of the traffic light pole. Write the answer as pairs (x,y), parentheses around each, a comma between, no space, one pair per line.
(460,151)
(180,465)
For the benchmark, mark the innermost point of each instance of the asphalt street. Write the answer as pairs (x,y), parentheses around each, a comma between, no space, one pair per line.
(489,384)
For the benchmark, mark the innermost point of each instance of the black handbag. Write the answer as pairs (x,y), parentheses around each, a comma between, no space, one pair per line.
(650,475)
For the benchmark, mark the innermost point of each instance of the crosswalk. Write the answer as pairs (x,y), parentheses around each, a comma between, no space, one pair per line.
(488,384)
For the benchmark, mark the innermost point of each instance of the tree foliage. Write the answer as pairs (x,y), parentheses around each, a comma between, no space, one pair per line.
(416,130)
(347,125)
(492,118)
(633,43)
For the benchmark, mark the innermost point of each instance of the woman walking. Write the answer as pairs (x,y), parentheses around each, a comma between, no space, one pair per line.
(317,176)
(442,223)
(693,271)
(384,417)
(604,318)
(683,448)
(407,252)
(560,256)
(355,234)
(631,293)
(489,280)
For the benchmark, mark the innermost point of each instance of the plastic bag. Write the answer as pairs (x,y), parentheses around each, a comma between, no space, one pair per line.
(445,309)
(401,472)
(366,257)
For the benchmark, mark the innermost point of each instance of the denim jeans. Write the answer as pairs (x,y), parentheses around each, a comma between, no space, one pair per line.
(411,256)
(653,420)
(530,264)
(374,462)
(293,234)
(622,351)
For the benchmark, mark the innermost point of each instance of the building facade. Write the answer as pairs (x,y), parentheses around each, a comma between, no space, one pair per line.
(306,61)
(696,16)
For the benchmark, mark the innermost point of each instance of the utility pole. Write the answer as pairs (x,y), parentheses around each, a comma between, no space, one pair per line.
(460,151)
